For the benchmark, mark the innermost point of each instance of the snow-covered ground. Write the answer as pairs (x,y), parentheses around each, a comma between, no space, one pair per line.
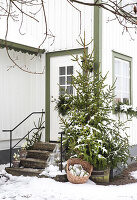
(33,188)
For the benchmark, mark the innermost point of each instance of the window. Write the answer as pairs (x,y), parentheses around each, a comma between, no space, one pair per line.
(122,76)
(65,79)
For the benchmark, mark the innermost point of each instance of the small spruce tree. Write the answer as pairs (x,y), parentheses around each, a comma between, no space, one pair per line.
(90,131)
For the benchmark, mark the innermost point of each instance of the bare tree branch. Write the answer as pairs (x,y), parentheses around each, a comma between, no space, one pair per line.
(119,10)
(18,10)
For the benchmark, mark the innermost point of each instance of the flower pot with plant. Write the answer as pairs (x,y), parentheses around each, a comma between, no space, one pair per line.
(16,160)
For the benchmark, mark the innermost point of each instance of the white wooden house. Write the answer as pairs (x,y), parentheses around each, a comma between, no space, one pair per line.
(22,93)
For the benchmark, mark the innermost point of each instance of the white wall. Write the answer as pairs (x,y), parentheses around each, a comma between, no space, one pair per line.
(63,21)
(114,40)
(20,93)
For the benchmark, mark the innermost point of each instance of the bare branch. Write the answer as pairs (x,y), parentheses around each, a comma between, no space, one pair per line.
(117,9)
(124,13)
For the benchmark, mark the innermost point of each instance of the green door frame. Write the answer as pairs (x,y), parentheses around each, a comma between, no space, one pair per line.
(98,38)
(47,103)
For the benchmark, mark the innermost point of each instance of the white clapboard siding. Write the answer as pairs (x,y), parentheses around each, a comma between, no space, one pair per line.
(20,93)
(131,126)
(63,22)
(114,40)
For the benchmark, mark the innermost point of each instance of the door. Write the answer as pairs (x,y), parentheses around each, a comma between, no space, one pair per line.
(61,70)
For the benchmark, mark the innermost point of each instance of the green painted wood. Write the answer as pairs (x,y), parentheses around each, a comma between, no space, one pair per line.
(98,38)
(20,47)
(47,103)
(126,58)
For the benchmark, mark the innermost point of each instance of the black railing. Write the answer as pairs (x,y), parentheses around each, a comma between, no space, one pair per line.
(61,149)
(11,130)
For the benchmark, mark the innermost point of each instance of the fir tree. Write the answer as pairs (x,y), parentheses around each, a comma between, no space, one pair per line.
(90,131)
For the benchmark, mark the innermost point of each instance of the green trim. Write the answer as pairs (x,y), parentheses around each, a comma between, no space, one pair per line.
(126,58)
(98,38)
(47,103)
(20,47)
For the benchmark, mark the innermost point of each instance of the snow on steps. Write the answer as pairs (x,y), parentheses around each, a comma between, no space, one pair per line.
(34,172)
(35,162)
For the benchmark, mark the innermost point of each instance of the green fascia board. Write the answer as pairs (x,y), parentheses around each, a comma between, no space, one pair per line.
(126,58)
(98,38)
(121,56)
(20,47)
(47,71)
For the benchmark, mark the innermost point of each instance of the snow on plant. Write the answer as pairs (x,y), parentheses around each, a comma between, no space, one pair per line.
(90,131)
(125,108)
(77,170)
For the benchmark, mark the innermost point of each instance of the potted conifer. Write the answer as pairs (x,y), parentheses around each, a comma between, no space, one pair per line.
(91,133)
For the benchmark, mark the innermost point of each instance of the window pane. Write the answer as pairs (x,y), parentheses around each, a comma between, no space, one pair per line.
(62,80)
(70,89)
(117,67)
(62,71)
(69,70)
(62,90)
(69,79)
(122,75)
(126,100)
(118,83)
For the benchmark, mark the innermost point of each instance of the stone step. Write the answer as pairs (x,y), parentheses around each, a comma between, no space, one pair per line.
(43,155)
(33,163)
(44,146)
(33,172)
(23,171)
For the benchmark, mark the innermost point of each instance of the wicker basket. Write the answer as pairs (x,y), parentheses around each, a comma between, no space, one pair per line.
(77,179)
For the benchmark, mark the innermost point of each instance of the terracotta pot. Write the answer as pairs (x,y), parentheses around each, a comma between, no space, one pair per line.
(16,163)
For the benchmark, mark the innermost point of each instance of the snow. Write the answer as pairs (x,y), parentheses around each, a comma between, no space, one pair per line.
(134,174)
(52,171)
(33,188)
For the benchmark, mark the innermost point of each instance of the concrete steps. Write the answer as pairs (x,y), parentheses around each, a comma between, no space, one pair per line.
(38,154)
(35,161)
(34,172)
(44,146)
(24,171)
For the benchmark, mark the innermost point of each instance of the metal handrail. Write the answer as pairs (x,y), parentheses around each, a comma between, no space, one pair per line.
(23,121)
(61,149)
(11,130)
(26,136)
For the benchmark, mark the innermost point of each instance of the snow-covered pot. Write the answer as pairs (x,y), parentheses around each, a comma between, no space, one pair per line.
(100,176)
(16,163)
(77,179)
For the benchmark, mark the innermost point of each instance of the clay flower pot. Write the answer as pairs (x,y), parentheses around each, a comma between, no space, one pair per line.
(16,163)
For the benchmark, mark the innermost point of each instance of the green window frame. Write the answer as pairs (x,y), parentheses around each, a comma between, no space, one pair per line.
(122,76)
